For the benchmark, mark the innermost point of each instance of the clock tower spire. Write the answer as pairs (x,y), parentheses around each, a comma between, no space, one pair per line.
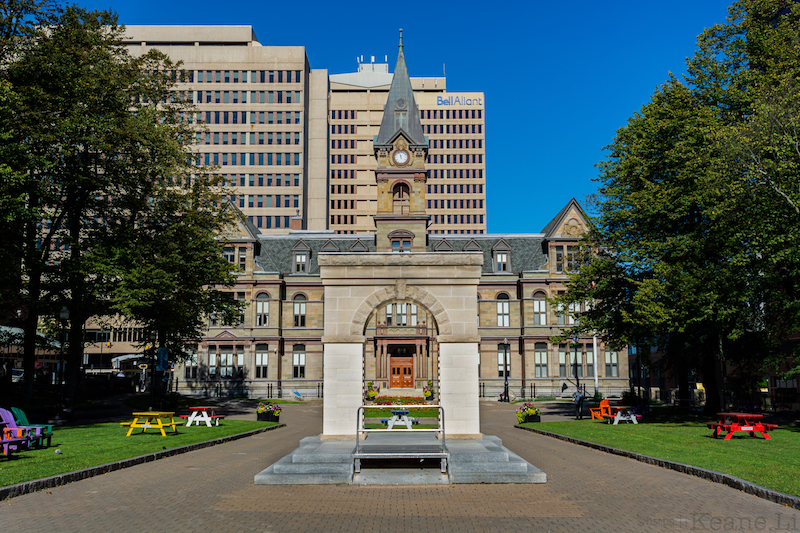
(400,150)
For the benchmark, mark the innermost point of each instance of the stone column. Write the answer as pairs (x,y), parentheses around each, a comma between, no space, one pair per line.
(343,377)
(458,389)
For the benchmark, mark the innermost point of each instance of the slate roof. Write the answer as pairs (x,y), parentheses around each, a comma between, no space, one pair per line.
(525,251)
(276,252)
(400,114)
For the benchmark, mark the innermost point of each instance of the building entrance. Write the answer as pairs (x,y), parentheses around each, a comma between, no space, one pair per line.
(402,373)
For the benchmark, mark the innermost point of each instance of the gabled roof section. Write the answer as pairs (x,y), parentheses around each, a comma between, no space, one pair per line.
(359,246)
(241,229)
(473,246)
(501,245)
(570,223)
(223,336)
(400,114)
(329,246)
(443,246)
(301,246)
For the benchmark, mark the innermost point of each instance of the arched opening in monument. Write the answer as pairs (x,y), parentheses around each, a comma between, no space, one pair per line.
(401,354)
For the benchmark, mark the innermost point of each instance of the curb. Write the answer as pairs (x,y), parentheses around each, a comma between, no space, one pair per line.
(711,475)
(26,487)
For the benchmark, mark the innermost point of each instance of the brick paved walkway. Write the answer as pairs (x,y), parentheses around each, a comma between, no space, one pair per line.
(213,490)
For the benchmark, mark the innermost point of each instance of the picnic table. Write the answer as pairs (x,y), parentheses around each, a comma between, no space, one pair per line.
(733,422)
(202,413)
(623,413)
(152,419)
(399,417)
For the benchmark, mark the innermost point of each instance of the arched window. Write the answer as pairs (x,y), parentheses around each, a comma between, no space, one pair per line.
(262,309)
(401,240)
(401,199)
(503,310)
(299,311)
(539,309)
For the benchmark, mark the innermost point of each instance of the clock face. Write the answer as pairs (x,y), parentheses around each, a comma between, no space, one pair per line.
(401,157)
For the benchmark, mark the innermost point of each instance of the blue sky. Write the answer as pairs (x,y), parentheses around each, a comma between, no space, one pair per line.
(559,78)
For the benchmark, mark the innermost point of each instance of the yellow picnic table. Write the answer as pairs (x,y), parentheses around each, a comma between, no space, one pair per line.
(154,419)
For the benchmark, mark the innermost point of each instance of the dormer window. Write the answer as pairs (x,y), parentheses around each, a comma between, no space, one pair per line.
(301,252)
(401,240)
(300,262)
(501,262)
(501,253)
(401,246)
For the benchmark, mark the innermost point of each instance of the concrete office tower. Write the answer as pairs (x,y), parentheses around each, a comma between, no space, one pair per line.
(290,139)
(262,118)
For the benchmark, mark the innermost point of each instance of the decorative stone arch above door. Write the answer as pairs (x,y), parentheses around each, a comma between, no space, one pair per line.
(400,291)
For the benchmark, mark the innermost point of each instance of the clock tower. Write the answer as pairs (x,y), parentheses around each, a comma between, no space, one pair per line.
(401,148)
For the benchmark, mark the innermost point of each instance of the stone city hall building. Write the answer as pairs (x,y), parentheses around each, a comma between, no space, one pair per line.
(363,230)
(406,299)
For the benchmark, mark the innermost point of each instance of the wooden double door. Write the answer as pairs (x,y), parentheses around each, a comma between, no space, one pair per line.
(402,372)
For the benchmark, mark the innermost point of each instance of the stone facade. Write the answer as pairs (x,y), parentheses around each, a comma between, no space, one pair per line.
(536,269)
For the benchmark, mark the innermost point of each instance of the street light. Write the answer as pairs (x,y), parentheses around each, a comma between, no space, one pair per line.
(63,317)
(505,370)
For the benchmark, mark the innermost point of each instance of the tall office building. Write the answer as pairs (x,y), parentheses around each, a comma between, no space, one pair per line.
(289,139)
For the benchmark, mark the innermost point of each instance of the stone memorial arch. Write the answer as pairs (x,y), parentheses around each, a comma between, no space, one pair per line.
(442,284)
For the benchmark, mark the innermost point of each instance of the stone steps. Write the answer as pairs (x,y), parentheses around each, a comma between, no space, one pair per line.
(318,462)
(313,463)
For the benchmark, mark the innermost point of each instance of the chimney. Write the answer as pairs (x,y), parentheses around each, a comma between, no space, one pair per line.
(296,223)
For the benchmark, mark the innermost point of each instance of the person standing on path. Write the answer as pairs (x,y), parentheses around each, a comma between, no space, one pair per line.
(578,397)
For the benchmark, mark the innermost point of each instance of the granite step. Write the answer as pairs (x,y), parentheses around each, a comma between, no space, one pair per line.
(269,477)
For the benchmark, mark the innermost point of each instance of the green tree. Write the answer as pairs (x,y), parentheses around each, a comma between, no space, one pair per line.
(660,269)
(103,137)
(696,212)
(169,274)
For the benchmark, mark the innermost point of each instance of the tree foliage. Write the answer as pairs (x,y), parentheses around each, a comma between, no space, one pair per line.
(96,141)
(697,209)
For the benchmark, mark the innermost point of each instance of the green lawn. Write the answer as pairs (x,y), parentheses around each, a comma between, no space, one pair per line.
(96,444)
(684,438)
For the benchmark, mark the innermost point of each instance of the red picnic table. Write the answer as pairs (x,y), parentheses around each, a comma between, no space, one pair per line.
(733,422)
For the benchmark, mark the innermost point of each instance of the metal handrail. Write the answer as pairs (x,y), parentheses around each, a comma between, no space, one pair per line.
(360,421)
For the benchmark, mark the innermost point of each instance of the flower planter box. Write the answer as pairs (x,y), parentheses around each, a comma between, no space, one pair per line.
(267,417)
(532,418)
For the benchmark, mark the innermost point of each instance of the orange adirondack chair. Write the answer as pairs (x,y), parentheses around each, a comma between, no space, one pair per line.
(602,411)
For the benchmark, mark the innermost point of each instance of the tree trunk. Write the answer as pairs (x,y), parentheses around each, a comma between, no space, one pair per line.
(31,323)
(710,368)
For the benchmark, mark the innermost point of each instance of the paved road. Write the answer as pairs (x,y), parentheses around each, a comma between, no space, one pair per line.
(213,490)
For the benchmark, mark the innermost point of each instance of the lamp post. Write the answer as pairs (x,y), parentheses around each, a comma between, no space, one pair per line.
(63,317)
(505,370)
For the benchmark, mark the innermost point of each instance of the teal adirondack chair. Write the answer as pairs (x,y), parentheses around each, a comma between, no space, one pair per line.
(46,432)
